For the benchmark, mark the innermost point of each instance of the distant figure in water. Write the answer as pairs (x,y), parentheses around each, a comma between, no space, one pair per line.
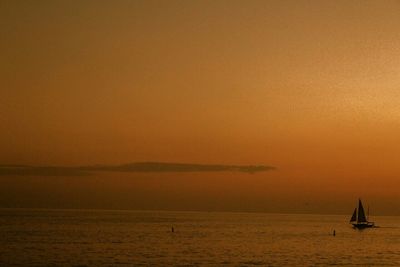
(334,233)
(172,229)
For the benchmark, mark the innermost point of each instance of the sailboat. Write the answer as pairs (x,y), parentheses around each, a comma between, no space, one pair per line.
(359,220)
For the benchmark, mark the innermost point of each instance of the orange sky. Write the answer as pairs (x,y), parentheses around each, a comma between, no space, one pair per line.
(311,87)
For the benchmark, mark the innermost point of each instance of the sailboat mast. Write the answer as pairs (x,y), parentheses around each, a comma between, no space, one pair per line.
(361,218)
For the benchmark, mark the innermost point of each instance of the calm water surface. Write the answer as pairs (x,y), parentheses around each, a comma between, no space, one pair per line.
(133,238)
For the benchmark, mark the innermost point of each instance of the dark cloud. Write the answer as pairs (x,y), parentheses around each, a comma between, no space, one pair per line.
(177,167)
(20,170)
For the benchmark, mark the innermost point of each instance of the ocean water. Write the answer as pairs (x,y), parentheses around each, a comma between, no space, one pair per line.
(144,238)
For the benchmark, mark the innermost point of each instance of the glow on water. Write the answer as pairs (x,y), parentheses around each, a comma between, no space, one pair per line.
(144,238)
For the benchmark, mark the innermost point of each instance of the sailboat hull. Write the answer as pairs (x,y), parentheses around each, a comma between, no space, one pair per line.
(363,225)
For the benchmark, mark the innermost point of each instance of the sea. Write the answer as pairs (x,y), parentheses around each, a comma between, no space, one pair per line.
(145,238)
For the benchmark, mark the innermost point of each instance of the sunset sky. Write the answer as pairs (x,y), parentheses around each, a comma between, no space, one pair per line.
(311,88)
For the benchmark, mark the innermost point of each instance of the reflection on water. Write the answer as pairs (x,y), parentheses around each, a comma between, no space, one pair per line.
(95,238)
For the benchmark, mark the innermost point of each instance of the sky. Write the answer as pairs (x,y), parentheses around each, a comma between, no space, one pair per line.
(310,88)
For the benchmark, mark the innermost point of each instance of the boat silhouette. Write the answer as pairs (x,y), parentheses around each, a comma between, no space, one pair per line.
(358,219)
